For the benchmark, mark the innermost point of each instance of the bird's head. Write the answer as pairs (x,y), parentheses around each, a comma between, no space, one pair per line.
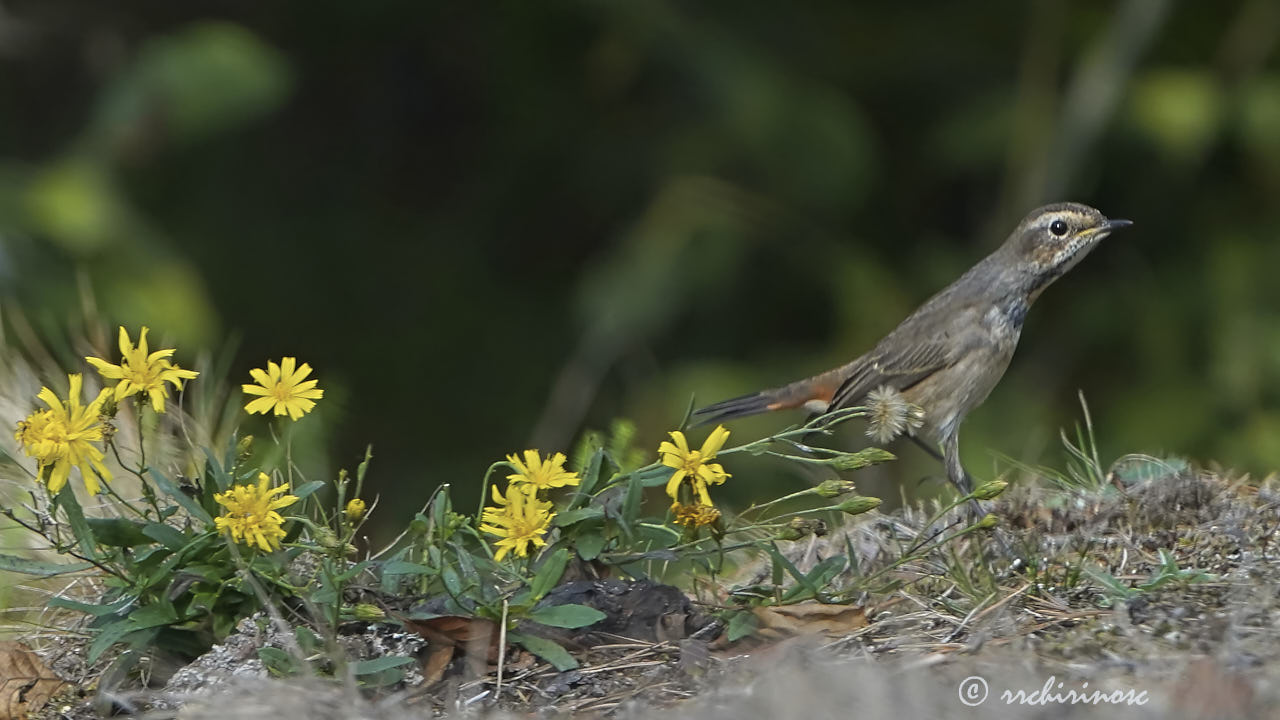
(1052,239)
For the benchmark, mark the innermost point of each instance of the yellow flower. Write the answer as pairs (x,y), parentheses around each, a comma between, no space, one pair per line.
(251,515)
(140,372)
(520,520)
(355,509)
(538,474)
(31,431)
(692,465)
(62,437)
(284,389)
(695,515)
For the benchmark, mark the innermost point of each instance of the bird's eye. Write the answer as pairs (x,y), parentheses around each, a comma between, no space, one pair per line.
(1058,228)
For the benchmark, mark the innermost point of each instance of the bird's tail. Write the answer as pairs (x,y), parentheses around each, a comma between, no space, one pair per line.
(813,393)
(741,406)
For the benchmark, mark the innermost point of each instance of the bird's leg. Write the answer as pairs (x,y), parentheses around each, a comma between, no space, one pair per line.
(951,459)
(965,483)
(957,475)
(933,451)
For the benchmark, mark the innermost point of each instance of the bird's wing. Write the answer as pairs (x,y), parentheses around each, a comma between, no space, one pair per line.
(897,367)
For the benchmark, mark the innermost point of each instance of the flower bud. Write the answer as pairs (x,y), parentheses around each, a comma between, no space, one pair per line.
(368,613)
(989,490)
(788,534)
(833,487)
(419,525)
(860,459)
(108,408)
(802,527)
(327,538)
(244,447)
(987,522)
(355,509)
(858,504)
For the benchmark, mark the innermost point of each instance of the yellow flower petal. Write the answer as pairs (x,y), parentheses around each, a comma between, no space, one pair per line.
(282,389)
(681,443)
(63,437)
(715,441)
(141,371)
(520,520)
(673,484)
(261,405)
(692,466)
(250,515)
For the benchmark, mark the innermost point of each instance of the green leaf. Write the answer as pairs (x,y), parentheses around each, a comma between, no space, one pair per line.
(109,635)
(654,476)
(202,602)
(546,649)
(404,567)
(591,473)
(441,507)
(791,569)
(688,411)
(742,624)
(363,467)
(187,502)
(452,582)
(163,572)
(118,532)
(89,609)
(599,468)
(567,616)
(307,489)
(39,568)
(817,578)
(378,664)
(166,535)
(570,517)
(353,571)
(589,544)
(223,624)
(75,516)
(549,573)
(631,505)
(1111,585)
(145,619)
(825,571)
(307,640)
(221,477)
(420,524)
(382,679)
(278,662)
(467,569)
(231,453)
(662,535)
(154,615)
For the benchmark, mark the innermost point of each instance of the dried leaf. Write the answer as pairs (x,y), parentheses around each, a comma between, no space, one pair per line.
(469,633)
(438,658)
(26,683)
(809,618)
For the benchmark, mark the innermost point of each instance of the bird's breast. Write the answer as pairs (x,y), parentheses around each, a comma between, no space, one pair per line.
(948,395)
(1002,322)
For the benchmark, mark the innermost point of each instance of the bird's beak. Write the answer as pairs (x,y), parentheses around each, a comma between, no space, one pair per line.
(1110,225)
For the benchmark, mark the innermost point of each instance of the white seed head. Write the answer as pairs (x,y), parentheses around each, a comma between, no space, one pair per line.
(890,415)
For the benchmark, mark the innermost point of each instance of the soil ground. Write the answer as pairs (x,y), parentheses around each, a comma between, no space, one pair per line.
(1154,595)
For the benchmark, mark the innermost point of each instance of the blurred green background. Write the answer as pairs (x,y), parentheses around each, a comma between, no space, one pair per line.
(489,226)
